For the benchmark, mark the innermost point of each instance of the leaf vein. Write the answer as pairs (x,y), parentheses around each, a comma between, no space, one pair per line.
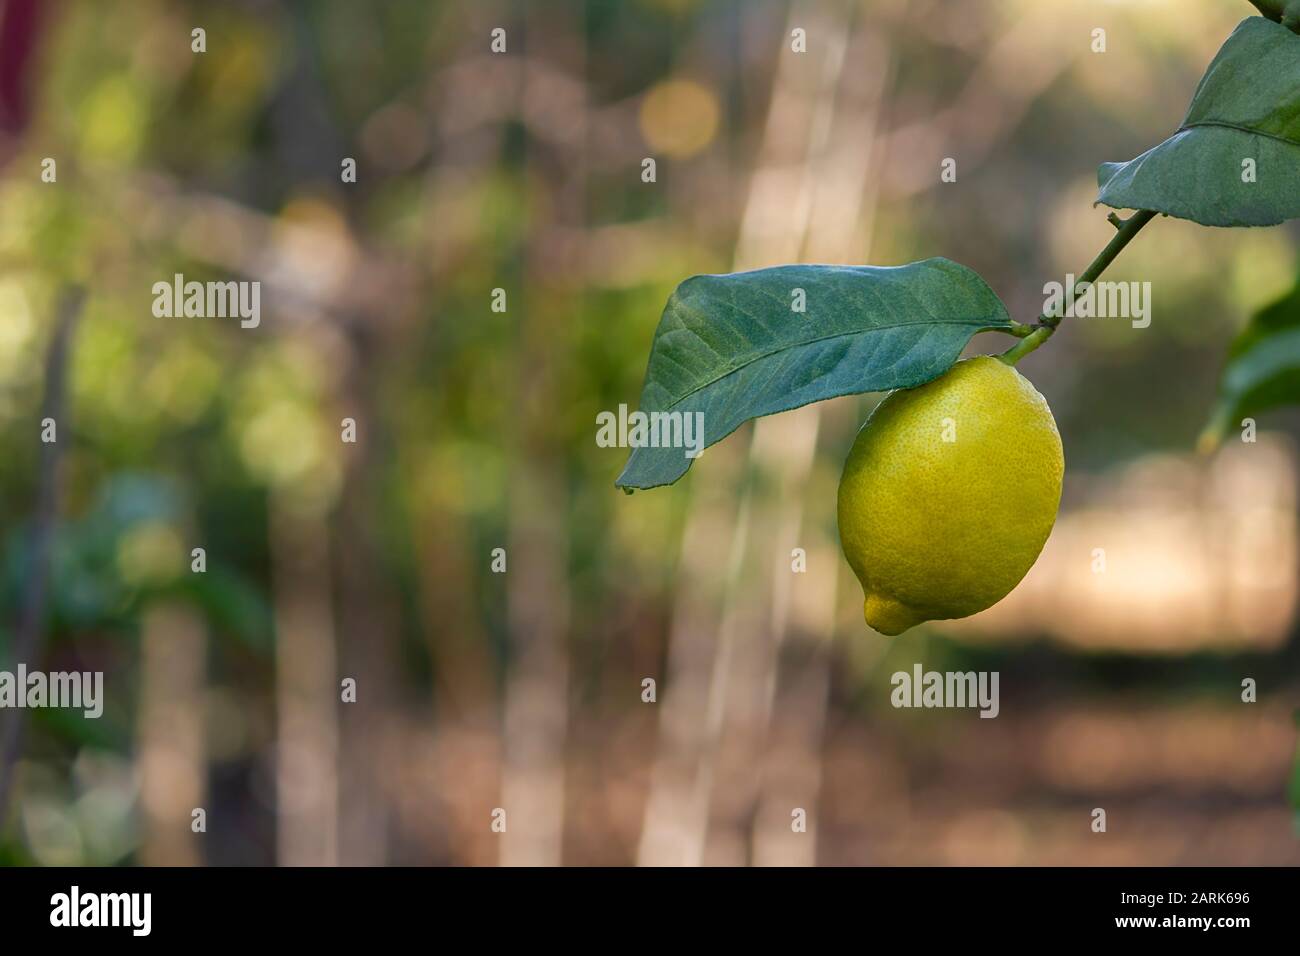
(989,322)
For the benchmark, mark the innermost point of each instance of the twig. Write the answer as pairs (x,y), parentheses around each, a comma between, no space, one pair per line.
(36,587)
(1047,323)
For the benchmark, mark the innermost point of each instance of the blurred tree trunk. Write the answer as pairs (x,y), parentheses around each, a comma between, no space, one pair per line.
(35,593)
(806,203)
(536,704)
(792,684)
(172,757)
(463,766)
(694,708)
(464,763)
(306,686)
(368,621)
(676,814)
(367,611)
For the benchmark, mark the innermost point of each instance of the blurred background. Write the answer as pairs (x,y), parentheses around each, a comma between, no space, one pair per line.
(479,690)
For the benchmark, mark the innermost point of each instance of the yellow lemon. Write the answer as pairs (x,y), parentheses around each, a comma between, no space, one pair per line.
(949,494)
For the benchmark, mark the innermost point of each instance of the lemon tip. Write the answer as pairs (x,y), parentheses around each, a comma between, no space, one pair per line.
(889,616)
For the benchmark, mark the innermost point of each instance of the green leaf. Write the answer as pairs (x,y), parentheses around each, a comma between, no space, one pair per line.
(1263,367)
(1247,106)
(732,347)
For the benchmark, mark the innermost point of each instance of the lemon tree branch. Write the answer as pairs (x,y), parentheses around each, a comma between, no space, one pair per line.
(1047,322)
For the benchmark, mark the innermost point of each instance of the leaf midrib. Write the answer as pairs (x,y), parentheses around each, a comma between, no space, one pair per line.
(1238,127)
(982,323)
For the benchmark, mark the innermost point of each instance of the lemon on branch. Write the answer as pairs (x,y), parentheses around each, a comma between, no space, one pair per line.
(949,494)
